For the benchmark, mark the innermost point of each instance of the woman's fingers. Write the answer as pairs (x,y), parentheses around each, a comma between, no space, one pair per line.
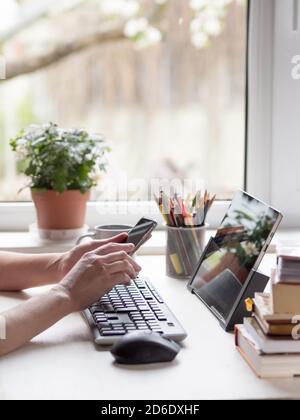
(113,247)
(120,256)
(96,243)
(121,267)
(120,278)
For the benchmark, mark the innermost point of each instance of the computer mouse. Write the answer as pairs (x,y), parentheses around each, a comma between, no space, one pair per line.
(141,348)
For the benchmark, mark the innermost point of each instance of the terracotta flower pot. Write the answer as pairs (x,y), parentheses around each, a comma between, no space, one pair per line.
(60,211)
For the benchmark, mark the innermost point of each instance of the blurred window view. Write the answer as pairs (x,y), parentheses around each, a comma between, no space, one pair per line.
(162,80)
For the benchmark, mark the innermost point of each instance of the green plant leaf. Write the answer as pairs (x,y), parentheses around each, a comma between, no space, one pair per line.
(59,159)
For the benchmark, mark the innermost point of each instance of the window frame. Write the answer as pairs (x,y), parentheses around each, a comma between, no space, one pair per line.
(259,98)
(271,140)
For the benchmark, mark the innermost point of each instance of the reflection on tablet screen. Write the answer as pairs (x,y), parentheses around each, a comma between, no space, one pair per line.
(232,254)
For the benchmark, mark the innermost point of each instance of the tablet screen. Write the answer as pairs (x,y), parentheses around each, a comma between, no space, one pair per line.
(233,252)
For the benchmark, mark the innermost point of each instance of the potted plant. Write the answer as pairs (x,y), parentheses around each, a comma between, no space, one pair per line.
(62,165)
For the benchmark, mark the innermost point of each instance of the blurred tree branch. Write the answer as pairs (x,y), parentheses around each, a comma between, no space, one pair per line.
(62,50)
(66,47)
(141,29)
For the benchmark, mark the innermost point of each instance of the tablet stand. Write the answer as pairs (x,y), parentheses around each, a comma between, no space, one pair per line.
(256,284)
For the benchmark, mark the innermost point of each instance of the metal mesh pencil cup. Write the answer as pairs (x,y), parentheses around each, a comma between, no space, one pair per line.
(184,248)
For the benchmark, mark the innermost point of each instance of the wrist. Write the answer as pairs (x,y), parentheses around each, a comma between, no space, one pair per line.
(57,266)
(63,296)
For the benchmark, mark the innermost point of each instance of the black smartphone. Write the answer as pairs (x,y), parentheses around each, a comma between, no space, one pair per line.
(140,233)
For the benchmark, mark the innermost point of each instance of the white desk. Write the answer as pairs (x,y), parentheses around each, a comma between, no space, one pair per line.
(63,362)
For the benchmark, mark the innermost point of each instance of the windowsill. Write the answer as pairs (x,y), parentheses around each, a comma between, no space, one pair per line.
(24,242)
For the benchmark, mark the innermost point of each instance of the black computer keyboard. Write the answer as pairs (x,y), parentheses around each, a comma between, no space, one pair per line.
(125,309)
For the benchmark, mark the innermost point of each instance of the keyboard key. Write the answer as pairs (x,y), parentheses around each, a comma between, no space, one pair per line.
(101,322)
(142,307)
(96,310)
(149,317)
(157,330)
(127,309)
(162,318)
(113,333)
(108,308)
(100,317)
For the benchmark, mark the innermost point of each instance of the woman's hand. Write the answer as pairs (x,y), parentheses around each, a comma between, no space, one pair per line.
(70,258)
(97,272)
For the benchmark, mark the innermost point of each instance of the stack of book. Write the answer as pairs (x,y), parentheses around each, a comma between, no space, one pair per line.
(270,340)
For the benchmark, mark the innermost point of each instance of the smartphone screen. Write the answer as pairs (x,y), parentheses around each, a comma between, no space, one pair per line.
(138,234)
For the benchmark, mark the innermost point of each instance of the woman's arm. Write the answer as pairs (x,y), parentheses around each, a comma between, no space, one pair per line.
(95,274)
(21,271)
(19,325)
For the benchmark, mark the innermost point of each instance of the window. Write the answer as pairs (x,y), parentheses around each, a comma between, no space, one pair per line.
(274,106)
(165,84)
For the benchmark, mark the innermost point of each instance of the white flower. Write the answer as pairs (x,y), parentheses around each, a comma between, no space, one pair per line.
(130,8)
(221,3)
(122,8)
(200,40)
(250,249)
(97,175)
(150,37)
(212,13)
(212,27)
(198,4)
(196,25)
(135,27)
(21,150)
(153,35)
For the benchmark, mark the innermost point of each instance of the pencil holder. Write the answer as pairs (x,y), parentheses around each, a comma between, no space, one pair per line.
(184,248)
